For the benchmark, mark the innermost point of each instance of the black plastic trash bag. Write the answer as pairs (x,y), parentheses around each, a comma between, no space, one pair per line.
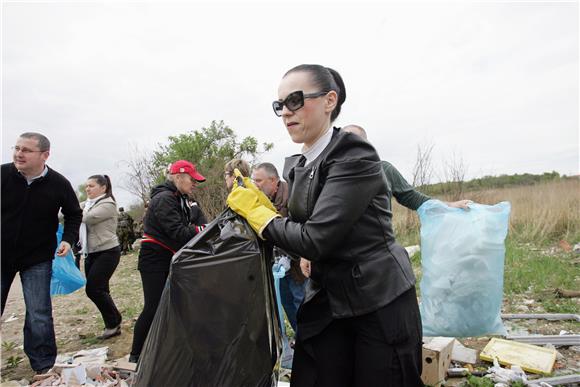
(217,322)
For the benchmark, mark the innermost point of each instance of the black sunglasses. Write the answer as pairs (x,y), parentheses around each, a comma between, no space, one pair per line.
(294,101)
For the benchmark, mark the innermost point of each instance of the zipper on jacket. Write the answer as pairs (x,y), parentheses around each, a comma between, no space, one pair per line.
(312,172)
(309,197)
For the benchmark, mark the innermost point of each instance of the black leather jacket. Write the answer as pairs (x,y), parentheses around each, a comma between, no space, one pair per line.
(339,219)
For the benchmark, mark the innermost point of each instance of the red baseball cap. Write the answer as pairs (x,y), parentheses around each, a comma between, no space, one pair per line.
(184,166)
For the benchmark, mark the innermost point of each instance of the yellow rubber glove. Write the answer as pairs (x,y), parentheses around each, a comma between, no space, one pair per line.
(262,198)
(246,203)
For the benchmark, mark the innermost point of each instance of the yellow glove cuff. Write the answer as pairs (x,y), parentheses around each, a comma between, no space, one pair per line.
(259,217)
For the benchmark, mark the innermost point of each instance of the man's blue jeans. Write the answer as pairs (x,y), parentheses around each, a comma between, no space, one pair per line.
(39,340)
(291,295)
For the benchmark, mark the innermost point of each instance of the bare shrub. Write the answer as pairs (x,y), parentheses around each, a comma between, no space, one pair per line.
(423,169)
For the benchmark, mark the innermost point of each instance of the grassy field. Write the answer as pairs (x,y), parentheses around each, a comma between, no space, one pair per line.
(541,213)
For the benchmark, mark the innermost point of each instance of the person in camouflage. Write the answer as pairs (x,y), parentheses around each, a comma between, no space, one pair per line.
(125,231)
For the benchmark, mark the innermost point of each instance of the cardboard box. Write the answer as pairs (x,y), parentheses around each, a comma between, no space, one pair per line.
(436,360)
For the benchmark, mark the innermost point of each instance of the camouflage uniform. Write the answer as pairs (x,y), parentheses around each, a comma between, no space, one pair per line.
(125,231)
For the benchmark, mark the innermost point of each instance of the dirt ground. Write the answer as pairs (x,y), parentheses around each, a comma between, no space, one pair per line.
(78,323)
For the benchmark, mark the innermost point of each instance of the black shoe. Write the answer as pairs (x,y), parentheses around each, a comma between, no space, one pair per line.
(43,371)
(133,358)
(112,332)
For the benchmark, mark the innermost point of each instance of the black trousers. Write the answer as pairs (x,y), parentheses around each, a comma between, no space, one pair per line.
(99,268)
(382,348)
(153,285)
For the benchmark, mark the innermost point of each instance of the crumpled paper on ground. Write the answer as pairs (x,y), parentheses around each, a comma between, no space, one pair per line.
(82,368)
(503,377)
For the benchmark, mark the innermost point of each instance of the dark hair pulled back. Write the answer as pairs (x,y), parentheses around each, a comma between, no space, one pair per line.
(326,79)
(104,180)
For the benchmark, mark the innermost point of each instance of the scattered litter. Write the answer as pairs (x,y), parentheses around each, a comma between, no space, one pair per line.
(124,364)
(137,244)
(457,372)
(542,316)
(506,376)
(564,245)
(91,356)
(74,375)
(563,293)
(412,250)
(531,358)
(463,354)
(436,360)
(559,356)
(577,248)
(557,340)
(11,318)
(84,368)
(559,380)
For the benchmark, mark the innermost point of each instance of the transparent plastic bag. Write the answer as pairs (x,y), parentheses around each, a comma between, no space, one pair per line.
(463,255)
(66,277)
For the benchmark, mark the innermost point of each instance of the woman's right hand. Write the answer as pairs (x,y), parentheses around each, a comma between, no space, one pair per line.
(305,267)
(247,183)
(246,203)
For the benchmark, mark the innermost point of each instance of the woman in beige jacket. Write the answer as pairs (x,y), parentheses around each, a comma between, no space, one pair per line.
(100,247)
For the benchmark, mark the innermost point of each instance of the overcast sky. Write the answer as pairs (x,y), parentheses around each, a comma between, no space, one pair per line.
(494,83)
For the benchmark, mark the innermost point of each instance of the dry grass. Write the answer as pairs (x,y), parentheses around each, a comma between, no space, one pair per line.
(540,213)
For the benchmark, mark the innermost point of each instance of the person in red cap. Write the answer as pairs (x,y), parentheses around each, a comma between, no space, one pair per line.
(166,228)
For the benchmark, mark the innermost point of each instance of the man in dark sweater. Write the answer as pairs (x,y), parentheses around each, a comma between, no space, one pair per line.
(32,196)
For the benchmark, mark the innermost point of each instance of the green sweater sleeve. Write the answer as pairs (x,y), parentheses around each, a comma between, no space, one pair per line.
(405,194)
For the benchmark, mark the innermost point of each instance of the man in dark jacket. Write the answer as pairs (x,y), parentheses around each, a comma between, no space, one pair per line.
(166,228)
(32,196)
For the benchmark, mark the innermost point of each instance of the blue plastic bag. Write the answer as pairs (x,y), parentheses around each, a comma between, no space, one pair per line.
(66,277)
(463,255)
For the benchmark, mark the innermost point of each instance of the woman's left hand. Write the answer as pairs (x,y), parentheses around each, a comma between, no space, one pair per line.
(305,267)
(63,249)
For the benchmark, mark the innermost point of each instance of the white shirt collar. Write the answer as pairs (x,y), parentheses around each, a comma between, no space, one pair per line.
(316,149)
(42,174)
(89,203)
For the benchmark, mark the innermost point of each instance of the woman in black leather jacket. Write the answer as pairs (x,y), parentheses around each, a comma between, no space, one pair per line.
(359,324)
